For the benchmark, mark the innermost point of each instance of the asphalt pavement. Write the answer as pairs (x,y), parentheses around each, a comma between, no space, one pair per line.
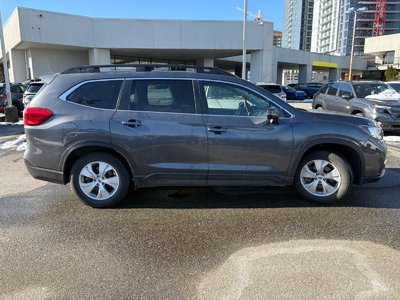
(222,243)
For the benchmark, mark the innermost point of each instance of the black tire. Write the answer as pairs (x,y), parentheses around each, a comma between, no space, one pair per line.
(116,170)
(341,187)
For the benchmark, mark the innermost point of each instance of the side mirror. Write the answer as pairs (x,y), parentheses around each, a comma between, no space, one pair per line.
(273,115)
(347,96)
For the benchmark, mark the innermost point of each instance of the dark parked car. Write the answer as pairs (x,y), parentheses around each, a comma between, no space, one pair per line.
(31,91)
(293,94)
(157,126)
(310,88)
(370,99)
(17,92)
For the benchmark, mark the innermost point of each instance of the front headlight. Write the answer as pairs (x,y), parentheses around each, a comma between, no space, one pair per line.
(381,109)
(373,131)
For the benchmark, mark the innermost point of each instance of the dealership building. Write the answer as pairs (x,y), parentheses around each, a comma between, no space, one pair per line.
(42,42)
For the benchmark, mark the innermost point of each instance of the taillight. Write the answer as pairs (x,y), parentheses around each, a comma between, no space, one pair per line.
(2,96)
(34,116)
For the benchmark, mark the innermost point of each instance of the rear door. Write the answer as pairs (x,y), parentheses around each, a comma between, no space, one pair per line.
(159,130)
(331,98)
(345,95)
(244,148)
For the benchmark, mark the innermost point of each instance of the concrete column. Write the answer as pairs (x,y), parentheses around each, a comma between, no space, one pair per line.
(261,67)
(99,56)
(305,73)
(334,74)
(205,62)
(17,66)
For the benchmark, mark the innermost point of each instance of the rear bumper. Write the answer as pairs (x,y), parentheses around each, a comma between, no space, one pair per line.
(44,174)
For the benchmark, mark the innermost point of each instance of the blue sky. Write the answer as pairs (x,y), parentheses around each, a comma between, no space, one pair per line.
(271,10)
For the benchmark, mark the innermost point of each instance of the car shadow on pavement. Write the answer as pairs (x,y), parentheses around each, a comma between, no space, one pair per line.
(381,194)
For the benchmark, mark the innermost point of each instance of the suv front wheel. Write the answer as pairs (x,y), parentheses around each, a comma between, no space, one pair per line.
(100,179)
(323,177)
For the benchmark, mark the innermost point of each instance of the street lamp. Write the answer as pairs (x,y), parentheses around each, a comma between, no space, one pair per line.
(355,11)
(244,40)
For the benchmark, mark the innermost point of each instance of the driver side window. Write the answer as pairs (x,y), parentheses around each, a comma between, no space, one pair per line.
(232,100)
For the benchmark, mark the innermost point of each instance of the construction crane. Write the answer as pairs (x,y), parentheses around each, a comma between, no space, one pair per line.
(380,18)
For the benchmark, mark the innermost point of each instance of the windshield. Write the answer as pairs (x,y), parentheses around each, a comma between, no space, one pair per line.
(366,89)
(396,86)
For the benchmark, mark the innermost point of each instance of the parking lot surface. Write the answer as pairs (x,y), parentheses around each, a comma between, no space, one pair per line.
(221,243)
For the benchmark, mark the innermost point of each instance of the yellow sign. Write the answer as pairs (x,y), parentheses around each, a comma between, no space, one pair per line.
(325,64)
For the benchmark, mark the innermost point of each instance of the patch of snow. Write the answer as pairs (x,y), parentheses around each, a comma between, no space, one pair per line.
(14,144)
(392,138)
(22,147)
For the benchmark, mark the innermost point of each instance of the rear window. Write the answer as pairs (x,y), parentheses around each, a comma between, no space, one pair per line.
(34,88)
(272,88)
(99,94)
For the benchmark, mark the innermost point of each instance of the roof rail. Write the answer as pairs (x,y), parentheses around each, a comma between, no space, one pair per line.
(145,68)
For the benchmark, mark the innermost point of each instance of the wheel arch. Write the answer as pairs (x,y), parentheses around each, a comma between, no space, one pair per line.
(357,111)
(78,151)
(342,148)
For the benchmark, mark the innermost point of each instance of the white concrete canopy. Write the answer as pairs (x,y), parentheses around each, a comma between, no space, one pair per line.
(41,42)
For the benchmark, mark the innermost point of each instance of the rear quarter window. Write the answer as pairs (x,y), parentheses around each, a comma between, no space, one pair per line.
(99,94)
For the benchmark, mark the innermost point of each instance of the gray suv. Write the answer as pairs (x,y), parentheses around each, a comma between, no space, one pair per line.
(371,99)
(102,128)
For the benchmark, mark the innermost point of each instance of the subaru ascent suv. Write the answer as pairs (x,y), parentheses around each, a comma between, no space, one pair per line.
(102,128)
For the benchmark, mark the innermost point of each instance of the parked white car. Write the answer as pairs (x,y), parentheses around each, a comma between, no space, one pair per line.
(273,88)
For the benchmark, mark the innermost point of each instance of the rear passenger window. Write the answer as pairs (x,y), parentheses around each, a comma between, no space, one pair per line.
(159,95)
(333,88)
(345,90)
(324,89)
(99,94)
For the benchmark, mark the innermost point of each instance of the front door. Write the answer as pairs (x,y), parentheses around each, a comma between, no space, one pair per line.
(243,147)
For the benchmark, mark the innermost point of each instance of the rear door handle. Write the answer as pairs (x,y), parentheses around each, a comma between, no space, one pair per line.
(217,129)
(132,123)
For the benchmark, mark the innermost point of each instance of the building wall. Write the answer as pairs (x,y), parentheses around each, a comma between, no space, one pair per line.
(306,25)
(325,26)
(49,61)
(292,24)
(386,50)
(48,27)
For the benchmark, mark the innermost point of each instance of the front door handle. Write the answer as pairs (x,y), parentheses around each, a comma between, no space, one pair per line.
(217,129)
(132,123)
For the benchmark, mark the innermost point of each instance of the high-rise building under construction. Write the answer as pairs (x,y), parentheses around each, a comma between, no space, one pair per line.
(332,24)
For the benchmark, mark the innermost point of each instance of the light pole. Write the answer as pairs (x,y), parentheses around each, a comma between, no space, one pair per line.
(355,11)
(244,41)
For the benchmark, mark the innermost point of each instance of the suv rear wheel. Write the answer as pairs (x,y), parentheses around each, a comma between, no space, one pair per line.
(323,177)
(100,179)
